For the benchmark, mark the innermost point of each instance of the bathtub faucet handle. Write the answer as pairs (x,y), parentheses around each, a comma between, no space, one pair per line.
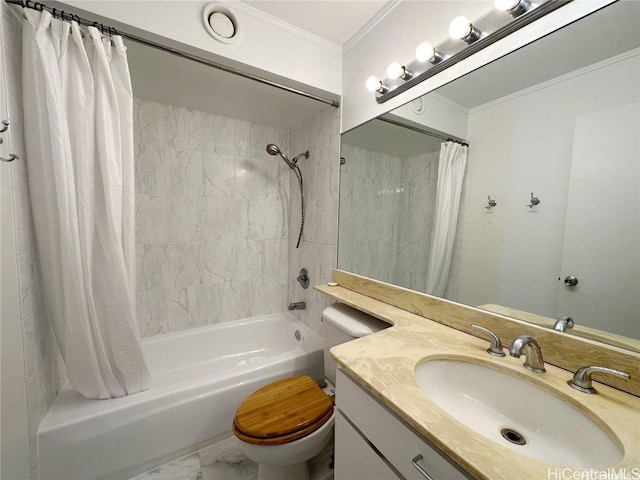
(303,278)
(297,306)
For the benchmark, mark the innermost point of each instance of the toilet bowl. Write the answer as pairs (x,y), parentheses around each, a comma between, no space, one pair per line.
(282,425)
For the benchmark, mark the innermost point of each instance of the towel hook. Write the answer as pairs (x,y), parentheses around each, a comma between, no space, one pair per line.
(492,203)
(5,126)
(12,157)
(534,201)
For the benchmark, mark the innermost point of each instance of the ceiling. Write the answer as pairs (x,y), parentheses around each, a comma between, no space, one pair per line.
(166,78)
(334,20)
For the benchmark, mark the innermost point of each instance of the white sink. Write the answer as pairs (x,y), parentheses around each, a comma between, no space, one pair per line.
(488,401)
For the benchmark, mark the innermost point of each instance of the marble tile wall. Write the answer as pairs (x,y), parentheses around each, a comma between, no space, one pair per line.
(43,364)
(417,214)
(371,192)
(392,242)
(212,227)
(321,173)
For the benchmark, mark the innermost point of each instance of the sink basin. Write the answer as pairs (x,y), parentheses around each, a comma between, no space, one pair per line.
(517,414)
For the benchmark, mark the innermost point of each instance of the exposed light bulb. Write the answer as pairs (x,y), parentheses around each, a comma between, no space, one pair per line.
(374,84)
(424,52)
(461,28)
(427,52)
(395,70)
(514,7)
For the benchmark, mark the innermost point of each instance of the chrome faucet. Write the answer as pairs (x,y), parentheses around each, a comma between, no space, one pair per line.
(528,345)
(297,306)
(563,323)
(582,378)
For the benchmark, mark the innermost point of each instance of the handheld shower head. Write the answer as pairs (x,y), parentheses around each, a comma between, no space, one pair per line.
(275,150)
(272,149)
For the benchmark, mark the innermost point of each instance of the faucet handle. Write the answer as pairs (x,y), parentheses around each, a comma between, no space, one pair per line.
(496,345)
(582,378)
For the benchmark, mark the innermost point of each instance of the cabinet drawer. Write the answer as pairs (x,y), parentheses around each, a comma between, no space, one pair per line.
(397,442)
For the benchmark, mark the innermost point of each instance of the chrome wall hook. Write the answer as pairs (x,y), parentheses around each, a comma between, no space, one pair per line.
(5,126)
(12,157)
(492,203)
(534,201)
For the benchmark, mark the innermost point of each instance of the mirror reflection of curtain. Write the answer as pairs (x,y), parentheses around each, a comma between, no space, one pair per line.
(452,164)
(79,155)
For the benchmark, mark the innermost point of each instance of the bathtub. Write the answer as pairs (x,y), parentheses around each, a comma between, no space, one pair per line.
(198,379)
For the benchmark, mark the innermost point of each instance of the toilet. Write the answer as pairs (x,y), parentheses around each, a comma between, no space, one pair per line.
(282,425)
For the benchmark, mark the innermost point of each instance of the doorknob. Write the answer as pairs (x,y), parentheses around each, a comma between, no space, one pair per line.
(570,281)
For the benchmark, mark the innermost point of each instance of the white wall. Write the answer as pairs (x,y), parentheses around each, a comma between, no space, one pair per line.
(266,46)
(14,441)
(523,144)
(397,35)
(438,113)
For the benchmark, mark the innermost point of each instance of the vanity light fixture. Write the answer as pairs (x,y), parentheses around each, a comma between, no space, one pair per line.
(374,84)
(461,28)
(395,70)
(514,7)
(484,31)
(425,52)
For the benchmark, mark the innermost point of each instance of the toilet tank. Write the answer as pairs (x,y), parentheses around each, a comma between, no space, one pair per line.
(342,323)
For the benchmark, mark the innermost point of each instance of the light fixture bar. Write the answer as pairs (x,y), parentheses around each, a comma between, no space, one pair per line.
(433,69)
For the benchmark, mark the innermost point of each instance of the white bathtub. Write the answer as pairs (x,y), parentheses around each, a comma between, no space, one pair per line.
(198,379)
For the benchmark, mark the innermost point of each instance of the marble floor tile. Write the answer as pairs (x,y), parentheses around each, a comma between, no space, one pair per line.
(185,468)
(225,461)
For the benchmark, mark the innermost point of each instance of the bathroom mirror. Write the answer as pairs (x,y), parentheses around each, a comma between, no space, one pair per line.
(555,121)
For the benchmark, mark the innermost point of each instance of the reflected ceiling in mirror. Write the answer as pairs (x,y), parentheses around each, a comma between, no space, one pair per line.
(557,119)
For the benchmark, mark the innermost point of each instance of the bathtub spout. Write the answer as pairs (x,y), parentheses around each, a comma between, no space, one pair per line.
(297,306)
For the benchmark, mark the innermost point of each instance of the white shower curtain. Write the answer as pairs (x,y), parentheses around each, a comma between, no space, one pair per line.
(452,163)
(79,143)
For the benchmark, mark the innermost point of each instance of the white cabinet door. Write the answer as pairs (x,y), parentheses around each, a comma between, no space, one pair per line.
(354,458)
(602,233)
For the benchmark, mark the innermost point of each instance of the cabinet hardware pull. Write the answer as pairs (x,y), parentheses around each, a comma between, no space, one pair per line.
(415,461)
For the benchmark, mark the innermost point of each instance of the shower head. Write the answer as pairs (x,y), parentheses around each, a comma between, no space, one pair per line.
(275,150)
(272,149)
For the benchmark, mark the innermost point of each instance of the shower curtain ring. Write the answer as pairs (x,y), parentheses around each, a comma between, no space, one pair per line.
(53,13)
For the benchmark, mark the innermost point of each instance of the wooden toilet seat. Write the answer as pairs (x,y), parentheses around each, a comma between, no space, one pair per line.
(282,411)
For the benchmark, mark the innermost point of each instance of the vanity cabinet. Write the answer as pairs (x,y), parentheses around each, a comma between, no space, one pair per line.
(373,443)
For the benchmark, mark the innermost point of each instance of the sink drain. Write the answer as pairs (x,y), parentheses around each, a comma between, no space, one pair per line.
(513,436)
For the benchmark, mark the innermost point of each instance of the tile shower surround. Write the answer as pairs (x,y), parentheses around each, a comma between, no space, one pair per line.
(403,191)
(211,218)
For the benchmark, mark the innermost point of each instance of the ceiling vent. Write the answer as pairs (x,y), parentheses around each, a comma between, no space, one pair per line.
(221,23)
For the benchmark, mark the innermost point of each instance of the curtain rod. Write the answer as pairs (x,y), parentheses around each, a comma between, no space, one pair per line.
(423,131)
(57,13)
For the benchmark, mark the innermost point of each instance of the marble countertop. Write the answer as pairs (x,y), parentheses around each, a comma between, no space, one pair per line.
(384,364)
